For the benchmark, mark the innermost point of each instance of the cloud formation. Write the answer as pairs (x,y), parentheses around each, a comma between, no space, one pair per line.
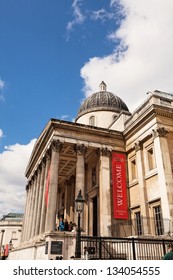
(1,133)
(102,15)
(78,17)
(143,59)
(2,85)
(13,162)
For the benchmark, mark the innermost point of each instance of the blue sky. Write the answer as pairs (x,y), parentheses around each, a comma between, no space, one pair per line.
(54,53)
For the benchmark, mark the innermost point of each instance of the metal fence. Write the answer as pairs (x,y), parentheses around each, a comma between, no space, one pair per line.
(104,248)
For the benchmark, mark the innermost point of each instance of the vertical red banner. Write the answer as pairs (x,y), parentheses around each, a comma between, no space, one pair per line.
(119,186)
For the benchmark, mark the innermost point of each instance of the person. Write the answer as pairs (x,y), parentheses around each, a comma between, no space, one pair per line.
(61,225)
(169,254)
(70,226)
(65,225)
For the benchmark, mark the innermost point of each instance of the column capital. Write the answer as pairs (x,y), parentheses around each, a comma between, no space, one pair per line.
(47,155)
(80,149)
(161,132)
(38,169)
(43,163)
(56,145)
(138,146)
(105,152)
(27,187)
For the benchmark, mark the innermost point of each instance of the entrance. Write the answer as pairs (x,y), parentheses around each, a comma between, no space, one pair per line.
(95,216)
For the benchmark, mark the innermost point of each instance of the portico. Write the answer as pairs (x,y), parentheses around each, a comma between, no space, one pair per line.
(64,160)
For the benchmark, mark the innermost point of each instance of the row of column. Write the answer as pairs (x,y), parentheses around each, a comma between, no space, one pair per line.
(40,218)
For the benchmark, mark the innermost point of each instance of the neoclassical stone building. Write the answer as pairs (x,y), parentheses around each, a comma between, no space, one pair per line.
(121,161)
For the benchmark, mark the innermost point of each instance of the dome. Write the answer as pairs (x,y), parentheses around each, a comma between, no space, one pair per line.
(102,101)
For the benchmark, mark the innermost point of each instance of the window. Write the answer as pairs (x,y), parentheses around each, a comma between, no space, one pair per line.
(151,159)
(133,169)
(93,177)
(138,223)
(13,236)
(92,120)
(158,221)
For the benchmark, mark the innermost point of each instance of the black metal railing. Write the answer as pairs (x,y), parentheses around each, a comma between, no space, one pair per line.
(103,248)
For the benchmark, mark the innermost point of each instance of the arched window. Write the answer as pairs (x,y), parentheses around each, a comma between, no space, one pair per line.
(92,120)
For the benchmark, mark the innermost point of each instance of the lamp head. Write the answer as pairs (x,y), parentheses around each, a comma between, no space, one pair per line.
(79,202)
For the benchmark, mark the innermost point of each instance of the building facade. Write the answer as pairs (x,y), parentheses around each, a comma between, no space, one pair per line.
(121,161)
(10,233)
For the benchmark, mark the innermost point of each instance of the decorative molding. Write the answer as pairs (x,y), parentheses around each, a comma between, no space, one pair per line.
(138,146)
(80,149)
(56,145)
(160,132)
(105,152)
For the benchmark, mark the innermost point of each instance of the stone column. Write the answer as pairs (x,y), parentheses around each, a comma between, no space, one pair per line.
(40,197)
(36,201)
(164,169)
(1,242)
(80,169)
(30,212)
(104,192)
(72,197)
(67,201)
(31,218)
(142,185)
(43,209)
(25,219)
(53,186)
(80,175)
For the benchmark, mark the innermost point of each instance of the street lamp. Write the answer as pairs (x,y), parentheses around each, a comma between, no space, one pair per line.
(79,205)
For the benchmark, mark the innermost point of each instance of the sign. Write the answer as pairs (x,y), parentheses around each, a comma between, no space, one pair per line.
(119,186)
(56,248)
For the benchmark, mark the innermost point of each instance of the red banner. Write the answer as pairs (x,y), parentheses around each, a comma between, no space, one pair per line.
(119,186)
(6,251)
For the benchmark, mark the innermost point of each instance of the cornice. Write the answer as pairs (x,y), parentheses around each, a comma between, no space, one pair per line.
(59,129)
(147,115)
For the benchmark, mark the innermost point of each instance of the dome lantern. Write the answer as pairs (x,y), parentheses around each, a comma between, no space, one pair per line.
(103,86)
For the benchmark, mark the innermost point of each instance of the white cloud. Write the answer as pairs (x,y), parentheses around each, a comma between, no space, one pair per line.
(2,84)
(101,14)
(13,162)
(1,133)
(146,62)
(78,17)
(63,117)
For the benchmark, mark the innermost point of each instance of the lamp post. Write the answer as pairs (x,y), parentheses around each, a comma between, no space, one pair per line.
(79,205)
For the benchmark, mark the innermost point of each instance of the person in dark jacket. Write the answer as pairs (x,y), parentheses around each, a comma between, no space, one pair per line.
(169,254)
